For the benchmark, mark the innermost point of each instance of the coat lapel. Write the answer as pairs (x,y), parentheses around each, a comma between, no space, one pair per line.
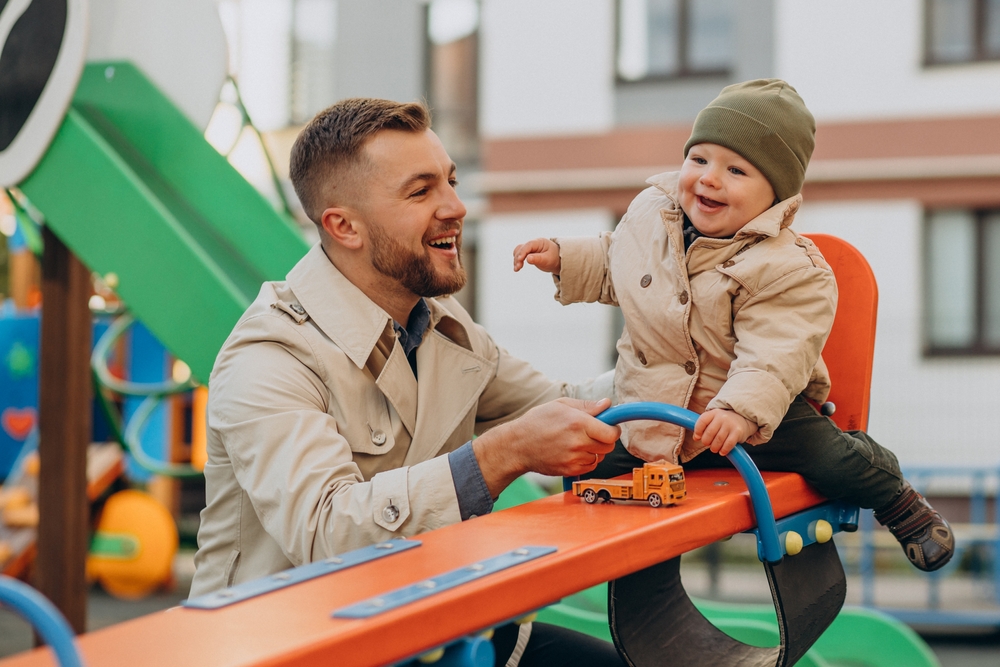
(397,383)
(451,381)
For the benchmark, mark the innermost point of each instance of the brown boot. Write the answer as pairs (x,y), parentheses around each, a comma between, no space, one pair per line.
(923,533)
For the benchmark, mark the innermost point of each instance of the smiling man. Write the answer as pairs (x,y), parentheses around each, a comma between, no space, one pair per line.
(344,403)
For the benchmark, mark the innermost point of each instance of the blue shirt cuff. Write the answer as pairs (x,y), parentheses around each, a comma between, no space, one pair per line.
(473,495)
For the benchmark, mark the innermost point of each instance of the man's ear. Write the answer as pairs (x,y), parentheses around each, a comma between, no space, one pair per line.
(340,224)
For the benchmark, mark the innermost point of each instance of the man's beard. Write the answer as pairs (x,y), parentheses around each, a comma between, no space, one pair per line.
(413,271)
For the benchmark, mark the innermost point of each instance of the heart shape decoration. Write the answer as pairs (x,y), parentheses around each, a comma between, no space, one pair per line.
(18,422)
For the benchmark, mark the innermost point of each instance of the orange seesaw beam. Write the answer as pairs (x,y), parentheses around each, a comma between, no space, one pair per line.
(293,626)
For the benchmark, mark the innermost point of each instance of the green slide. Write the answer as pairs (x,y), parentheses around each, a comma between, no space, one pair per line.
(132,187)
(857,638)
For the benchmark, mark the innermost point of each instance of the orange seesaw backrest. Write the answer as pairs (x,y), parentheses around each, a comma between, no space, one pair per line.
(851,347)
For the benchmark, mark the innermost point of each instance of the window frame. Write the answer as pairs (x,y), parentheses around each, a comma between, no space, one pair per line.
(978,347)
(684,71)
(978,38)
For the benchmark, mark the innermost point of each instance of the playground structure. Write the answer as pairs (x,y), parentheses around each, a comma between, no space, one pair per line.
(509,564)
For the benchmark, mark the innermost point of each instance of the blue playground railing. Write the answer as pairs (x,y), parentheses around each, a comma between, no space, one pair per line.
(979,535)
(36,609)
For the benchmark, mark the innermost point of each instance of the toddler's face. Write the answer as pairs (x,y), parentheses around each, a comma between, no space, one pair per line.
(720,191)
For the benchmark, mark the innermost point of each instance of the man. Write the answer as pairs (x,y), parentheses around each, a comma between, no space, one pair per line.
(344,403)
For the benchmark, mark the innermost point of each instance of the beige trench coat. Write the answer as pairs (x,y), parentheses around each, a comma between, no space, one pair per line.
(316,424)
(733,323)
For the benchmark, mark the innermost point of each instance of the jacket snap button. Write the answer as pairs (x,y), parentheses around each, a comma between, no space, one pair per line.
(390,513)
(689,367)
(646,279)
(378,438)
(642,358)
(726,264)
(298,309)
(684,297)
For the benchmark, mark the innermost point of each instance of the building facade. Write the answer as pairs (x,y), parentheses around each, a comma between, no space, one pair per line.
(582,100)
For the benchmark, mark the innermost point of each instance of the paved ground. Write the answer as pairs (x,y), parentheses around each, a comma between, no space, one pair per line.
(737,583)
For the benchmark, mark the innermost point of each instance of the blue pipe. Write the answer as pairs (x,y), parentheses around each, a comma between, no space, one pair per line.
(36,609)
(766,525)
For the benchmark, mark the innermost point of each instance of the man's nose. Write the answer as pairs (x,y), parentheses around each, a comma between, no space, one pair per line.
(452,207)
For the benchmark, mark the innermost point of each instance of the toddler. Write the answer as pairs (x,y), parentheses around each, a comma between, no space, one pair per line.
(727,310)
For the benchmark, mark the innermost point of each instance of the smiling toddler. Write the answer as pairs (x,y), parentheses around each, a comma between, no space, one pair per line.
(727,310)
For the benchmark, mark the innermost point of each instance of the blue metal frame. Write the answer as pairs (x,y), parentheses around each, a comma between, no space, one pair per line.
(36,609)
(835,513)
(769,546)
(932,613)
(474,651)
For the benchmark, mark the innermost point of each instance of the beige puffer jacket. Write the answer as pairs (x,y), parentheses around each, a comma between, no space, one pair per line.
(733,323)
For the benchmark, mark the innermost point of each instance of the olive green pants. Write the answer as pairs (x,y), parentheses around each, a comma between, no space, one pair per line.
(847,466)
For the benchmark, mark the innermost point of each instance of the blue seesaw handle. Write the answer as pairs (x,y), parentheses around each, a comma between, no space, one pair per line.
(35,608)
(766,525)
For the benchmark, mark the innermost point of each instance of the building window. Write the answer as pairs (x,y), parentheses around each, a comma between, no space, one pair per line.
(962,260)
(674,38)
(961,31)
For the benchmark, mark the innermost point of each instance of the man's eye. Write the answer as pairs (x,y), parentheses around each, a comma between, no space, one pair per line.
(419,193)
(453,182)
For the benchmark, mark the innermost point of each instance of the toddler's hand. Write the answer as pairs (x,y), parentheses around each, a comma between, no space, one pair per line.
(540,253)
(722,430)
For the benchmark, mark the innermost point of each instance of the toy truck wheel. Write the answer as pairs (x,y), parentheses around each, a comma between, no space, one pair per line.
(604,496)
(655,500)
(590,496)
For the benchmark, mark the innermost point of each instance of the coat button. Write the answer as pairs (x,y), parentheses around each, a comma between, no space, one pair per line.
(378,437)
(645,280)
(689,367)
(390,513)
(726,264)
(684,297)
(641,357)
(298,309)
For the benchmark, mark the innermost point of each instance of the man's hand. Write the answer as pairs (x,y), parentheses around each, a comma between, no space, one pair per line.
(722,430)
(540,253)
(560,437)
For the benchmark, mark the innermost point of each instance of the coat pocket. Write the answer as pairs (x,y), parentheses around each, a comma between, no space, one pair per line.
(232,567)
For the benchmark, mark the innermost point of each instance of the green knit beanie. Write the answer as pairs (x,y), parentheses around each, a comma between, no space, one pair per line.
(767,123)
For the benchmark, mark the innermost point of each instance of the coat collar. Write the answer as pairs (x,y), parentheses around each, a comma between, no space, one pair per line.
(768,223)
(345,314)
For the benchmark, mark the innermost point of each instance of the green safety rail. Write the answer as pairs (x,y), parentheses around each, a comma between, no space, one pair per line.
(132,187)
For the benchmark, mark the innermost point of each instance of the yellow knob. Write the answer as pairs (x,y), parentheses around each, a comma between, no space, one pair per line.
(431,656)
(793,543)
(824,531)
(487,634)
(527,618)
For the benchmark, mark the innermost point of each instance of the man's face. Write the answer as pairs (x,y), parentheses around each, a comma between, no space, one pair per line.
(721,191)
(412,216)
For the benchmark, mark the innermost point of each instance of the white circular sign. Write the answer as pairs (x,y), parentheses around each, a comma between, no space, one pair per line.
(42,46)
(178,44)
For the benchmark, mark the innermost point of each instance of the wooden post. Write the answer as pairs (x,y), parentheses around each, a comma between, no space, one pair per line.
(65,428)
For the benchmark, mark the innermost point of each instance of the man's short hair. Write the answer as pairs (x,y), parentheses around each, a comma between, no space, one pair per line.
(329,148)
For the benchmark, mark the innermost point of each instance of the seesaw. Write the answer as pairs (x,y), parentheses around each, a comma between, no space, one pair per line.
(400,604)
(858,636)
